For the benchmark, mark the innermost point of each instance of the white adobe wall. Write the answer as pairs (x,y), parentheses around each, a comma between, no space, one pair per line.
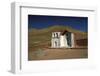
(53,45)
(63,41)
(72,40)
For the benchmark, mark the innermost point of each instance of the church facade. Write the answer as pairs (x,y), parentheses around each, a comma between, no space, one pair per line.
(62,39)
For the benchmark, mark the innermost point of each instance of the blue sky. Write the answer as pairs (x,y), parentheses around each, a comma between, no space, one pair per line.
(43,21)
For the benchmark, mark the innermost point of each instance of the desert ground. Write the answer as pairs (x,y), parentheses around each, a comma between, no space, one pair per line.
(62,53)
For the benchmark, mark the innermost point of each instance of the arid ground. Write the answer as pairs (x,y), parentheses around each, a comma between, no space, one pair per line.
(50,53)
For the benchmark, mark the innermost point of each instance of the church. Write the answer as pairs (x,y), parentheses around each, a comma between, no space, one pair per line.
(62,39)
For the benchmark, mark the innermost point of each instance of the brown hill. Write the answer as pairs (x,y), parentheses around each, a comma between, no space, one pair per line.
(39,38)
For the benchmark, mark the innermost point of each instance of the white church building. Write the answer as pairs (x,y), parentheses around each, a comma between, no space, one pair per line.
(63,39)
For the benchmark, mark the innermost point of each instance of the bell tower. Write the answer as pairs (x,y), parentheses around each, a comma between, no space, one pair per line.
(55,41)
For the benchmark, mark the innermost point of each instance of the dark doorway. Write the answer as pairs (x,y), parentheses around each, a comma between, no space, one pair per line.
(68,37)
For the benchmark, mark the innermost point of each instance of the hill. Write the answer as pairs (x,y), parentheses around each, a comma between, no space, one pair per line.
(39,38)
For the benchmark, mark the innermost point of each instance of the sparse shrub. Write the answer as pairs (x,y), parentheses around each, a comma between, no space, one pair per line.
(39,52)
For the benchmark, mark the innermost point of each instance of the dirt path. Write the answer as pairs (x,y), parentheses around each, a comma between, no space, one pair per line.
(46,54)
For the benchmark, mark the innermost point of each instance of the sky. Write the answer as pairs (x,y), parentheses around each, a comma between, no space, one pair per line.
(44,21)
